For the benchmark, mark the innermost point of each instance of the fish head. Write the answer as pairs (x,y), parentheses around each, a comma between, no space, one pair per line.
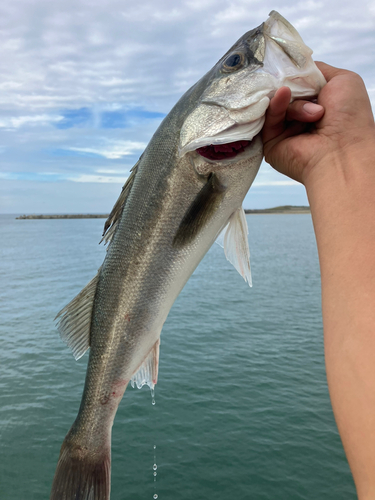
(224,126)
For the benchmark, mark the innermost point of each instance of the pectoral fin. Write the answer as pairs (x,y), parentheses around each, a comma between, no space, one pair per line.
(236,246)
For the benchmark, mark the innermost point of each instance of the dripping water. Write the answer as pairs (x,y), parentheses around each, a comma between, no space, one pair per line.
(154,468)
(153,396)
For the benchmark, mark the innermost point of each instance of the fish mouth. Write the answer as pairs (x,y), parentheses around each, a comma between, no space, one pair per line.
(227,144)
(217,152)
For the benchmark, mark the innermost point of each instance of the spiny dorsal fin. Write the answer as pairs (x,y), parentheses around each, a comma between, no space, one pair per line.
(147,373)
(75,319)
(111,223)
(236,245)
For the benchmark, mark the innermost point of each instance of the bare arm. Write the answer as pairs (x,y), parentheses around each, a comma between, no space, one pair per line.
(336,162)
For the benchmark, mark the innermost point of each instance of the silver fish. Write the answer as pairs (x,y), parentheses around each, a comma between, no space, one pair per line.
(187,187)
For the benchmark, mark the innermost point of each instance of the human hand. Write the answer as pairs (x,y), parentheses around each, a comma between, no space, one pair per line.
(301,136)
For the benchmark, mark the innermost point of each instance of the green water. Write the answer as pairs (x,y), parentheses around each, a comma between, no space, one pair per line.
(242,408)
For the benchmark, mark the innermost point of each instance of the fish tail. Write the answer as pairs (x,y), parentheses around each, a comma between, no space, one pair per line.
(81,474)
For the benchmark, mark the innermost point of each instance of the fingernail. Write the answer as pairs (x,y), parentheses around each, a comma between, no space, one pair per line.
(312,108)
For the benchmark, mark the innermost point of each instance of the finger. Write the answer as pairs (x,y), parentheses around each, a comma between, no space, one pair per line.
(329,71)
(276,113)
(304,111)
(293,129)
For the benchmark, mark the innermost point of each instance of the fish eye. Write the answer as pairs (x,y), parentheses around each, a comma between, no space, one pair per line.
(233,62)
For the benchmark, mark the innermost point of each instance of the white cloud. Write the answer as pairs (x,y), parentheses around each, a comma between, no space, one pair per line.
(288,182)
(122,54)
(200,5)
(19,121)
(109,171)
(311,5)
(112,150)
(97,179)
(371,93)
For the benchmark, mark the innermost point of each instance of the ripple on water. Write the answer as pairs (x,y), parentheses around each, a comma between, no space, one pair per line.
(242,404)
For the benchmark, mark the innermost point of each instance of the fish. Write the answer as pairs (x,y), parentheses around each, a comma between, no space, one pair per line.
(187,188)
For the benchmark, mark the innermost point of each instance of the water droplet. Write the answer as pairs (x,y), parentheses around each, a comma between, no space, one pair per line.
(155,473)
(153,396)
(154,466)
(155,496)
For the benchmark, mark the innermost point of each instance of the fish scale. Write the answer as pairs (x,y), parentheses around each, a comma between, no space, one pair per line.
(173,206)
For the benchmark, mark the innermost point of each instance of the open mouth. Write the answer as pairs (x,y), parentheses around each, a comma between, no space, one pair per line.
(223,151)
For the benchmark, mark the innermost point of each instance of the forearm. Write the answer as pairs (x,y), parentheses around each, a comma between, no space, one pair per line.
(342,199)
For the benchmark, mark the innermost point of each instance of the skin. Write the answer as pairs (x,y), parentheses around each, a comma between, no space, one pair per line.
(330,148)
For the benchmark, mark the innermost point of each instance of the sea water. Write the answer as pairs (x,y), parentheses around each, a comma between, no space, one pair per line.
(242,409)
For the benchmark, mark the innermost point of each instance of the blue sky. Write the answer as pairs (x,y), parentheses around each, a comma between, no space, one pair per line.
(84,85)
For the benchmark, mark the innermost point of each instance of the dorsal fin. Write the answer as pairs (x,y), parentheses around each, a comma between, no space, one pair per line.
(111,223)
(74,320)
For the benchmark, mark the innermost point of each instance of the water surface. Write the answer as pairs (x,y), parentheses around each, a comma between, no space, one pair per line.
(242,407)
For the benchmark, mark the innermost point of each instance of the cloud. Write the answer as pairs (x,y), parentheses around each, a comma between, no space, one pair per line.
(31,176)
(124,118)
(371,93)
(85,84)
(111,149)
(97,179)
(14,122)
(288,182)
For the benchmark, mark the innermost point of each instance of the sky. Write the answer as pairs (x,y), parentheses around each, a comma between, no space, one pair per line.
(85,84)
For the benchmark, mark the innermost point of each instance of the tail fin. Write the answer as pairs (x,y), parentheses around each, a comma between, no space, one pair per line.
(81,476)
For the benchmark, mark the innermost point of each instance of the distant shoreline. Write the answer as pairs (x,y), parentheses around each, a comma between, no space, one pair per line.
(285,209)
(64,216)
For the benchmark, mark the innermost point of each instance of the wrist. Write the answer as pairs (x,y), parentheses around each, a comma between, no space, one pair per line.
(343,178)
(341,194)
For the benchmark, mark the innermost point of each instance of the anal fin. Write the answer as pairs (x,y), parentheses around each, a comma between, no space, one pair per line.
(147,373)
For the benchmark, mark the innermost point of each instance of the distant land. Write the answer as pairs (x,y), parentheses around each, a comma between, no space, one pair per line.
(284,209)
(64,216)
